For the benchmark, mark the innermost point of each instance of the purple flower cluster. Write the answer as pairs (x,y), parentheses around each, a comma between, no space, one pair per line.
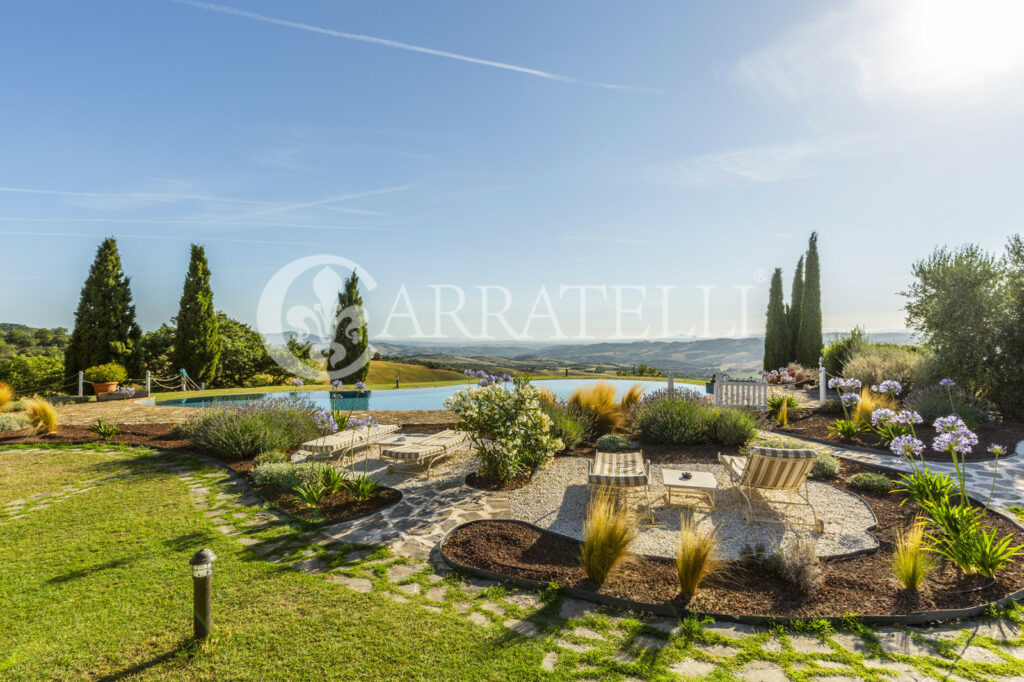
(954,436)
(844,385)
(325,423)
(360,386)
(361,422)
(883,416)
(997,450)
(487,379)
(947,383)
(126,392)
(891,388)
(907,446)
(337,384)
(295,382)
(850,399)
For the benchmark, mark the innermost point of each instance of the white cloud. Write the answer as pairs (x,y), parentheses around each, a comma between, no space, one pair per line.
(879,49)
(769,163)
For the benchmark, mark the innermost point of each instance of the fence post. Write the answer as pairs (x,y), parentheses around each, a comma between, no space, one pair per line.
(821,381)
(202,386)
(80,382)
(183,382)
(149,377)
(671,384)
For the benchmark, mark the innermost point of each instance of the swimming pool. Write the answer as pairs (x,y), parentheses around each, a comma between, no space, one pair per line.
(431,398)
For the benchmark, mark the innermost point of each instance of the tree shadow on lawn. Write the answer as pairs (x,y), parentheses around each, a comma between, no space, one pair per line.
(84,572)
(184,651)
(194,540)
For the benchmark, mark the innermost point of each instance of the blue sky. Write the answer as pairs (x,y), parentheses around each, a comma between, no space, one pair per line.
(520,145)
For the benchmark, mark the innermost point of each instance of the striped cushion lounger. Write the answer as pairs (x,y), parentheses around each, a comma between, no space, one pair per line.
(424,450)
(621,472)
(773,469)
(344,443)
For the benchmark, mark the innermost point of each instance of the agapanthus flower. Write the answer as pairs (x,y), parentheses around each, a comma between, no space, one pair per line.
(126,391)
(907,446)
(324,421)
(947,383)
(961,443)
(361,422)
(997,450)
(844,385)
(360,386)
(882,416)
(951,424)
(295,382)
(337,384)
(908,417)
(850,399)
(890,388)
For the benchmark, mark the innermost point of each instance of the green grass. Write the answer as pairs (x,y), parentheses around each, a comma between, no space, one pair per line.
(99,586)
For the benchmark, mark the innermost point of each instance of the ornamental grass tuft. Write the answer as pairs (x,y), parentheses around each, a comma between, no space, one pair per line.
(41,414)
(911,561)
(598,399)
(696,555)
(608,530)
(868,403)
(6,395)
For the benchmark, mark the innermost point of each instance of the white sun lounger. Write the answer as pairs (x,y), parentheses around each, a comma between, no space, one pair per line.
(344,443)
(426,450)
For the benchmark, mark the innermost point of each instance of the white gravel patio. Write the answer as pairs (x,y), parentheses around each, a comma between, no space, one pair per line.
(557,498)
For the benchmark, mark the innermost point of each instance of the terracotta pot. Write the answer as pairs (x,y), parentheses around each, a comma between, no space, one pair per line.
(104,387)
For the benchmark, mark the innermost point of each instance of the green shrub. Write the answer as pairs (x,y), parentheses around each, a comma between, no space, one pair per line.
(613,442)
(673,421)
(937,401)
(827,467)
(568,425)
(876,363)
(839,352)
(877,484)
(270,457)
(12,422)
(100,374)
(246,430)
(278,475)
(732,427)
(310,473)
(40,374)
(509,428)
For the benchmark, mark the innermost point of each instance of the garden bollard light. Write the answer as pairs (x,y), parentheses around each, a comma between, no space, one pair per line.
(202,592)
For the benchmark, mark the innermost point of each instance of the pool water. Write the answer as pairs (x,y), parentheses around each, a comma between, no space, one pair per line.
(431,398)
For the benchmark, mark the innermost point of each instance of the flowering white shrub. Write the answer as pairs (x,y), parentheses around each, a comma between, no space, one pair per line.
(508,427)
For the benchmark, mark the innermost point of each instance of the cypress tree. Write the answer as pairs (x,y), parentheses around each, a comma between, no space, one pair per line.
(776,334)
(809,339)
(105,327)
(197,340)
(796,301)
(349,359)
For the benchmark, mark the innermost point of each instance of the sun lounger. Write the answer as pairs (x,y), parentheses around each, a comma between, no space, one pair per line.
(773,469)
(426,450)
(344,443)
(621,472)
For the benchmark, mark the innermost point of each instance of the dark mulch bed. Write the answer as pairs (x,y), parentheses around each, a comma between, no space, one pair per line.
(337,507)
(862,585)
(815,424)
(475,480)
(150,435)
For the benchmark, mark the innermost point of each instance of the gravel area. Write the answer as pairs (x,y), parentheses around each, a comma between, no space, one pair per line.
(557,499)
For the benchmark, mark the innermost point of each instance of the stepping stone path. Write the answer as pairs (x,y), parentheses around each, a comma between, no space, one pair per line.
(392,554)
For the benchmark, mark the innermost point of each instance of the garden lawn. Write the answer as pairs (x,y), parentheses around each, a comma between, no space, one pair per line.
(98,585)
